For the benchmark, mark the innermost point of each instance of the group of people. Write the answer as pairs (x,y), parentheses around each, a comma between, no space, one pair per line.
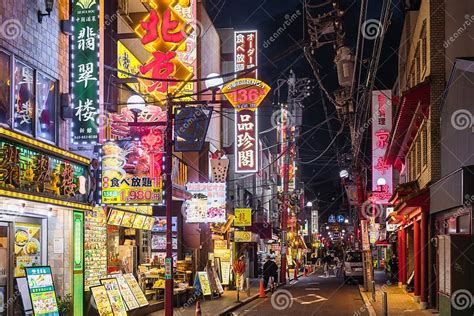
(331,262)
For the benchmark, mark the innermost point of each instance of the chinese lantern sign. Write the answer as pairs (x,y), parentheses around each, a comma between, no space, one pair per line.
(382,186)
(85,71)
(245,51)
(164,33)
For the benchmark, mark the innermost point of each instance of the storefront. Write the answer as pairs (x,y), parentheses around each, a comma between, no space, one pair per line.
(43,192)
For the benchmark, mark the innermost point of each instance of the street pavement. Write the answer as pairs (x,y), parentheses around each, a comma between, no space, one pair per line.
(311,295)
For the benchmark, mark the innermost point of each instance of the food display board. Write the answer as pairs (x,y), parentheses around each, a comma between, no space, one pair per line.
(131,172)
(95,247)
(115,217)
(135,288)
(139,221)
(218,281)
(115,297)
(225,272)
(126,292)
(27,247)
(128,219)
(102,300)
(203,280)
(42,293)
(149,222)
(160,224)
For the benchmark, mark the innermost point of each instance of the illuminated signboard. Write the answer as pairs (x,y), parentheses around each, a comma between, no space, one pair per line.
(314,221)
(245,51)
(208,204)
(85,71)
(242,236)
(245,92)
(382,187)
(291,164)
(163,33)
(42,293)
(243,217)
(27,168)
(128,63)
(130,173)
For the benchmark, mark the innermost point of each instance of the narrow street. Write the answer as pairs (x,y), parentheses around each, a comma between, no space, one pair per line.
(311,295)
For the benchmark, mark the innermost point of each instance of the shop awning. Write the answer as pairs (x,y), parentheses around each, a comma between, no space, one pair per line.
(409,205)
(414,107)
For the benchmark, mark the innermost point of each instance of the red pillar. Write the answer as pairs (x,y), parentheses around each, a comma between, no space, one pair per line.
(403,259)
(399,255)
(424,259)
(417,249)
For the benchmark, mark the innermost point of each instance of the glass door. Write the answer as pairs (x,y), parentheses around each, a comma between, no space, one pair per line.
(4,267)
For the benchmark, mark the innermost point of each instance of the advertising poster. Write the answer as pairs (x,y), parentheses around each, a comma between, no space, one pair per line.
(204,283)
(126,292)
(115,298)
(136,290)
(243,217)
(160,224)
(95,247)
(131,172)
(42,293)
(27,247)
(208,204)
(102,300)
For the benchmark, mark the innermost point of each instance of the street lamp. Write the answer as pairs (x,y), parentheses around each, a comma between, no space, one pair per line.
(344,174)
(136,104)
(49,7)
(309,204)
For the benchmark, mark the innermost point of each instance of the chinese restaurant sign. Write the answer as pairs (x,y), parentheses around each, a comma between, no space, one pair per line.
(131,173)
(381,128)
(85,71)
(164,33)
(30,170)
(243,217)
(245,50)
(128,63)
(208,204)
(42,293)
(245,93)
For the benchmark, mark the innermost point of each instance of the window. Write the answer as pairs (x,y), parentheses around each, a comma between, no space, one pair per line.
(5,88)
(424,133)
(418,155)
(46,108)
(24,105)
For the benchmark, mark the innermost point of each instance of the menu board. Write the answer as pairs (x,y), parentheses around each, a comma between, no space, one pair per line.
(139,221)
(27,247)
(126,292)
(43,296)
(128,219)
(149,222)
(95,247)
(115,217)
(115,298)
(136,290)
(225,271)
(220,289)
(102,300)
(204,283)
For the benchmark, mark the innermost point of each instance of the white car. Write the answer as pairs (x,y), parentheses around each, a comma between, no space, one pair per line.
(353,267)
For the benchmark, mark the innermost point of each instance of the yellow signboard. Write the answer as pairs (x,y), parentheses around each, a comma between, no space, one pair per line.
(246,93)
(243,217)
(242,236)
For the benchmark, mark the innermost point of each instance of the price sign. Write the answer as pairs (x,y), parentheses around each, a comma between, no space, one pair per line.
(246,93)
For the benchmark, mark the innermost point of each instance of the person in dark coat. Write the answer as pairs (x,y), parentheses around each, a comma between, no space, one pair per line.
(270,269)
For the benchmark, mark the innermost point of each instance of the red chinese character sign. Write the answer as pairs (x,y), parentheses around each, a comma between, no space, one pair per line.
(164,33)
(245,48)
(382,182)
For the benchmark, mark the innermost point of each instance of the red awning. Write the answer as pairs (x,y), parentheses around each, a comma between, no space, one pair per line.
(414,106)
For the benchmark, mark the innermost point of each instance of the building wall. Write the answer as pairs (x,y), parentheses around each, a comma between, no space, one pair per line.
(42,46)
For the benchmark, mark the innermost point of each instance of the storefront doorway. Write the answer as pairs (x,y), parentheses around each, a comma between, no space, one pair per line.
(22,243)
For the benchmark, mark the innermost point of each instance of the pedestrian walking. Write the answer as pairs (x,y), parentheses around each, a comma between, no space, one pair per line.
(314,260)
(270,269)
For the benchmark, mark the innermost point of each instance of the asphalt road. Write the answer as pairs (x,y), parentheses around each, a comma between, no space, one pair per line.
(311,295)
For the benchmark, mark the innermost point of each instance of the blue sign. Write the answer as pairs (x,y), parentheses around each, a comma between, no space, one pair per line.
(332,219)
(340,218)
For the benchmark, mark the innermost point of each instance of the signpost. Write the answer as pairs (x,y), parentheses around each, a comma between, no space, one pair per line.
(42,292)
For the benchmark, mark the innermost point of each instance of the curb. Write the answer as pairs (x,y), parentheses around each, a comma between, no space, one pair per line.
(232,308)
(367,303)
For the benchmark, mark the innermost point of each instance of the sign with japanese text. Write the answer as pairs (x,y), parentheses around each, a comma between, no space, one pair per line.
(245,93)
(85,71)
(242,236)
(382,184)
(245,51)
(246,141)
(165,34)
(243,217)
(130,173)
(314,221)
(365,235)
(42,292)
(208,204)
(26,169)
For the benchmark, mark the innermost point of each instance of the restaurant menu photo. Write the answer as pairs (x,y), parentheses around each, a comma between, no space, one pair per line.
(102,300)
(42,292)
(136,290)
(115,298)
(126,292)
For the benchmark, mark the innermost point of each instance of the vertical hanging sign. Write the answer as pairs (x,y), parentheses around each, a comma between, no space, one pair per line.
(85,72)
(381,127)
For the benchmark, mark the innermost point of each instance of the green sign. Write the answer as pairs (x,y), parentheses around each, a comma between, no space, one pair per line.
(42,293)
(78,263)
(85,71)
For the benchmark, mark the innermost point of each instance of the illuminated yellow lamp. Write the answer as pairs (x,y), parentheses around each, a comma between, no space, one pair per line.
(45,200)
(35,143)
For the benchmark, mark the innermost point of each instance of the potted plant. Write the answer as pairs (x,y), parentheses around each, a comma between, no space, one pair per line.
(65,305)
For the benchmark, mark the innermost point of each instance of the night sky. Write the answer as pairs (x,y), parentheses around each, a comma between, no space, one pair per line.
(321,178)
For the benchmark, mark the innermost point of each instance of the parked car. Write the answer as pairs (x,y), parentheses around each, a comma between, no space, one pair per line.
(353,268)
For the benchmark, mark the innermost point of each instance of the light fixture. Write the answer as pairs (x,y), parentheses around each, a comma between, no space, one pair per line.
(381,181)
(327,227)
(344,174)
(346,221)
(136,104)
(49,4)
(309,204)
(214,82)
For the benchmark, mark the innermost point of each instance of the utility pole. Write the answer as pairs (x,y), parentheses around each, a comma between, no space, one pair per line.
(169,199)
(286,179)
